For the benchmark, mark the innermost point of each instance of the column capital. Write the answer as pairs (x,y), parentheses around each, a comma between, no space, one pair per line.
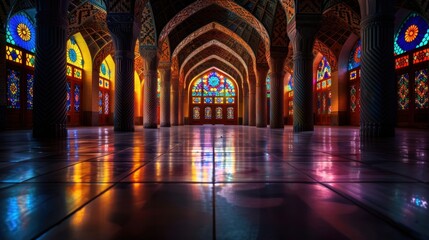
(122,29)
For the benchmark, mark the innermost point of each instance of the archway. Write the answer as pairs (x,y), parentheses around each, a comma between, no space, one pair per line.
(213,99)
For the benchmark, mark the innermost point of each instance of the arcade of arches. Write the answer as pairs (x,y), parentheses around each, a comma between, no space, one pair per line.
(284,64)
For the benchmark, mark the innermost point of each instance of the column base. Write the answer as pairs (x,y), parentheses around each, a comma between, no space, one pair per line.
(376,130)
(150,125)
(165,125)
(301,128)
(57,131)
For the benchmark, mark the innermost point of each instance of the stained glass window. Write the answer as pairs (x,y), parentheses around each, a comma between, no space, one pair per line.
(413,33)
(13,54)
(219,113)
(74,55)
(289,86)
(208,113)
(219,100)
(13,89)
(421,56)
(403,92)
(421,89)
(230,113)
(229,88)
(196,100)
(323,86)
(197,88)
(105,70)
(353,75)
(196,113)
(30,60)
(353,98)
(100,102)
(268,82)
(20,31)
(355,56)
(106,103)
(69,71)
(230,100)
(30,83)
(323,70)
(68,101)
(76,98)
(402,62)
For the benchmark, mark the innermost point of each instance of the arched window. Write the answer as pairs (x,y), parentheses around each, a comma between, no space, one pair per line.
(20,48)
(323,92)
(411,64)
(216,94)
(354,84)
(74,73)
(289,99)
(104,93)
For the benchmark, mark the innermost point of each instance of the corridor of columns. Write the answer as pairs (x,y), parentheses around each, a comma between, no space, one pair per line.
(307,89)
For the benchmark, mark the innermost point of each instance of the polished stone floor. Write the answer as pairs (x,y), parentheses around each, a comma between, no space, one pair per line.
(215,182)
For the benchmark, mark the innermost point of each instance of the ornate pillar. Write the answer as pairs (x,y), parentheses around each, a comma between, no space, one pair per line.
(277,87)
(252,104)
(245,105)
(121,29)
(165,70)
(302,31)
(261,96)
(3,83)
(150,57)
(378,111)
(49,112)
(174,113)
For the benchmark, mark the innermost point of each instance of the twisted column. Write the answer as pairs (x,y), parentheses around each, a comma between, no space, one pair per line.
(165,71)
(174,114)
(252,104)
(150,57)
(3,82)
(261,95)
(302,31)
(245,105)
(49,109)
(378,111)
(277,88)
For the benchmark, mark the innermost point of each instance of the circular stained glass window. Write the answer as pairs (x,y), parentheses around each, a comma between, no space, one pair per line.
(21,32)
(72,55)
(414,33)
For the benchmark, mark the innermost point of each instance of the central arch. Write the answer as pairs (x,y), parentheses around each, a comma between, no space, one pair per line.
(213,99)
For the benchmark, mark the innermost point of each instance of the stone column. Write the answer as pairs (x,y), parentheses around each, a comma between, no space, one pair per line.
(252,104)
(302,32)
(378,106)
(165,71)
(277,88)
(261,96)
(174,113)
(3,82)
(245,105)
(49,111)
(150,57)
(121,29)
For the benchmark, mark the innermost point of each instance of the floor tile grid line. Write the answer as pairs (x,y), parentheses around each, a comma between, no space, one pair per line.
(89,201)
(402,228)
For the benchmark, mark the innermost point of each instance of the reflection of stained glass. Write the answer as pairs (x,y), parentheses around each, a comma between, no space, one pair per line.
(74,55)
(100,102)
(76,98)
(323,70)
(355,56)
(68,101)
(219,113)
(421,56)
(21,32)
(196,100)
(13,54)
(403,98)
(106,103)
(353,98)
(30,60)
(421,89)
(196,113)
(30,82)
(13,91)
(230,113)
(401,62)
(413,33)
(208,113)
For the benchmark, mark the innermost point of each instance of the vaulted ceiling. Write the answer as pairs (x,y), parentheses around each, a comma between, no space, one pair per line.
(236,34)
